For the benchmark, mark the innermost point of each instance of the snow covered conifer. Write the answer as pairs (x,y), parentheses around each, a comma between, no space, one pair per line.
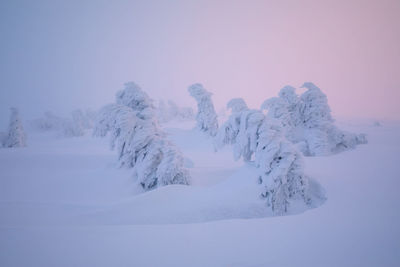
(319,132)
(259,138)
(16,136)
(307,121)
(314,108)
(288,93)
(228,132)
(135,98)
(141,145)
(278,108)
(3,136)
(111,118)
(280,169)
(206,116)
(237,105)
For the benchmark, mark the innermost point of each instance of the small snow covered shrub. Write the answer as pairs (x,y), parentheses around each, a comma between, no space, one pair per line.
(206,116)
(140,143)
(15,136)
(307,120)
(259,138)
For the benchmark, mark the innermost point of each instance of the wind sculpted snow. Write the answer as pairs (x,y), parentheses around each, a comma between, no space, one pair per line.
(70,206)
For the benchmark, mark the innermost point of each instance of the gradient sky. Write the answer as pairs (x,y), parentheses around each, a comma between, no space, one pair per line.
(61,55)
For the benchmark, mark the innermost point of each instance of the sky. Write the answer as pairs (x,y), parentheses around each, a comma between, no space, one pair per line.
(62,55)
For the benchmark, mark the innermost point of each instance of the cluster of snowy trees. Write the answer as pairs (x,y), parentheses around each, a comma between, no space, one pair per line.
(15,136)
(141,145)
(259,139)
(206,117)
(171,111)
(307,121)
(274,140)
(75,125)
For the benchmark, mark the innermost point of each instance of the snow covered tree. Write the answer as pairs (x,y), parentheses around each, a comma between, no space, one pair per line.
(141,145)
(237,105)
(228,132)
(307,121)
(108,120)
(314,107)
(2,138)
(278,108)
(280,169)
(206,116)
(16,136)
(135,98)
(259,138)
(247,137)
(320,133)
(288,93)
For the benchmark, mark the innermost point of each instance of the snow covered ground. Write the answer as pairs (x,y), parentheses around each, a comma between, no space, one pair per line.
(63,202)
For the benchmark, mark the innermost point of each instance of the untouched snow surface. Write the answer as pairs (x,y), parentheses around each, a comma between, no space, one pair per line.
(63,202)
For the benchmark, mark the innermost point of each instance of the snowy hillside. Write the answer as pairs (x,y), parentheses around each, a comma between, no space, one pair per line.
(64,202)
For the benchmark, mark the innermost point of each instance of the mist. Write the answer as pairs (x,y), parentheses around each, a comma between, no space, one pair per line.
(63,55)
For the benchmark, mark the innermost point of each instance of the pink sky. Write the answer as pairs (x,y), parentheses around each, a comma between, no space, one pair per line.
(69,54)
(351,49)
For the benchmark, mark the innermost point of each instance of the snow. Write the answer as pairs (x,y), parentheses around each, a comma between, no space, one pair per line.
(141,144)
(307,121)
(64,202)
(207,120)
(16,136)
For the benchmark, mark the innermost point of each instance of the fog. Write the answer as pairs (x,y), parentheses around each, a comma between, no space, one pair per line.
(63,55)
